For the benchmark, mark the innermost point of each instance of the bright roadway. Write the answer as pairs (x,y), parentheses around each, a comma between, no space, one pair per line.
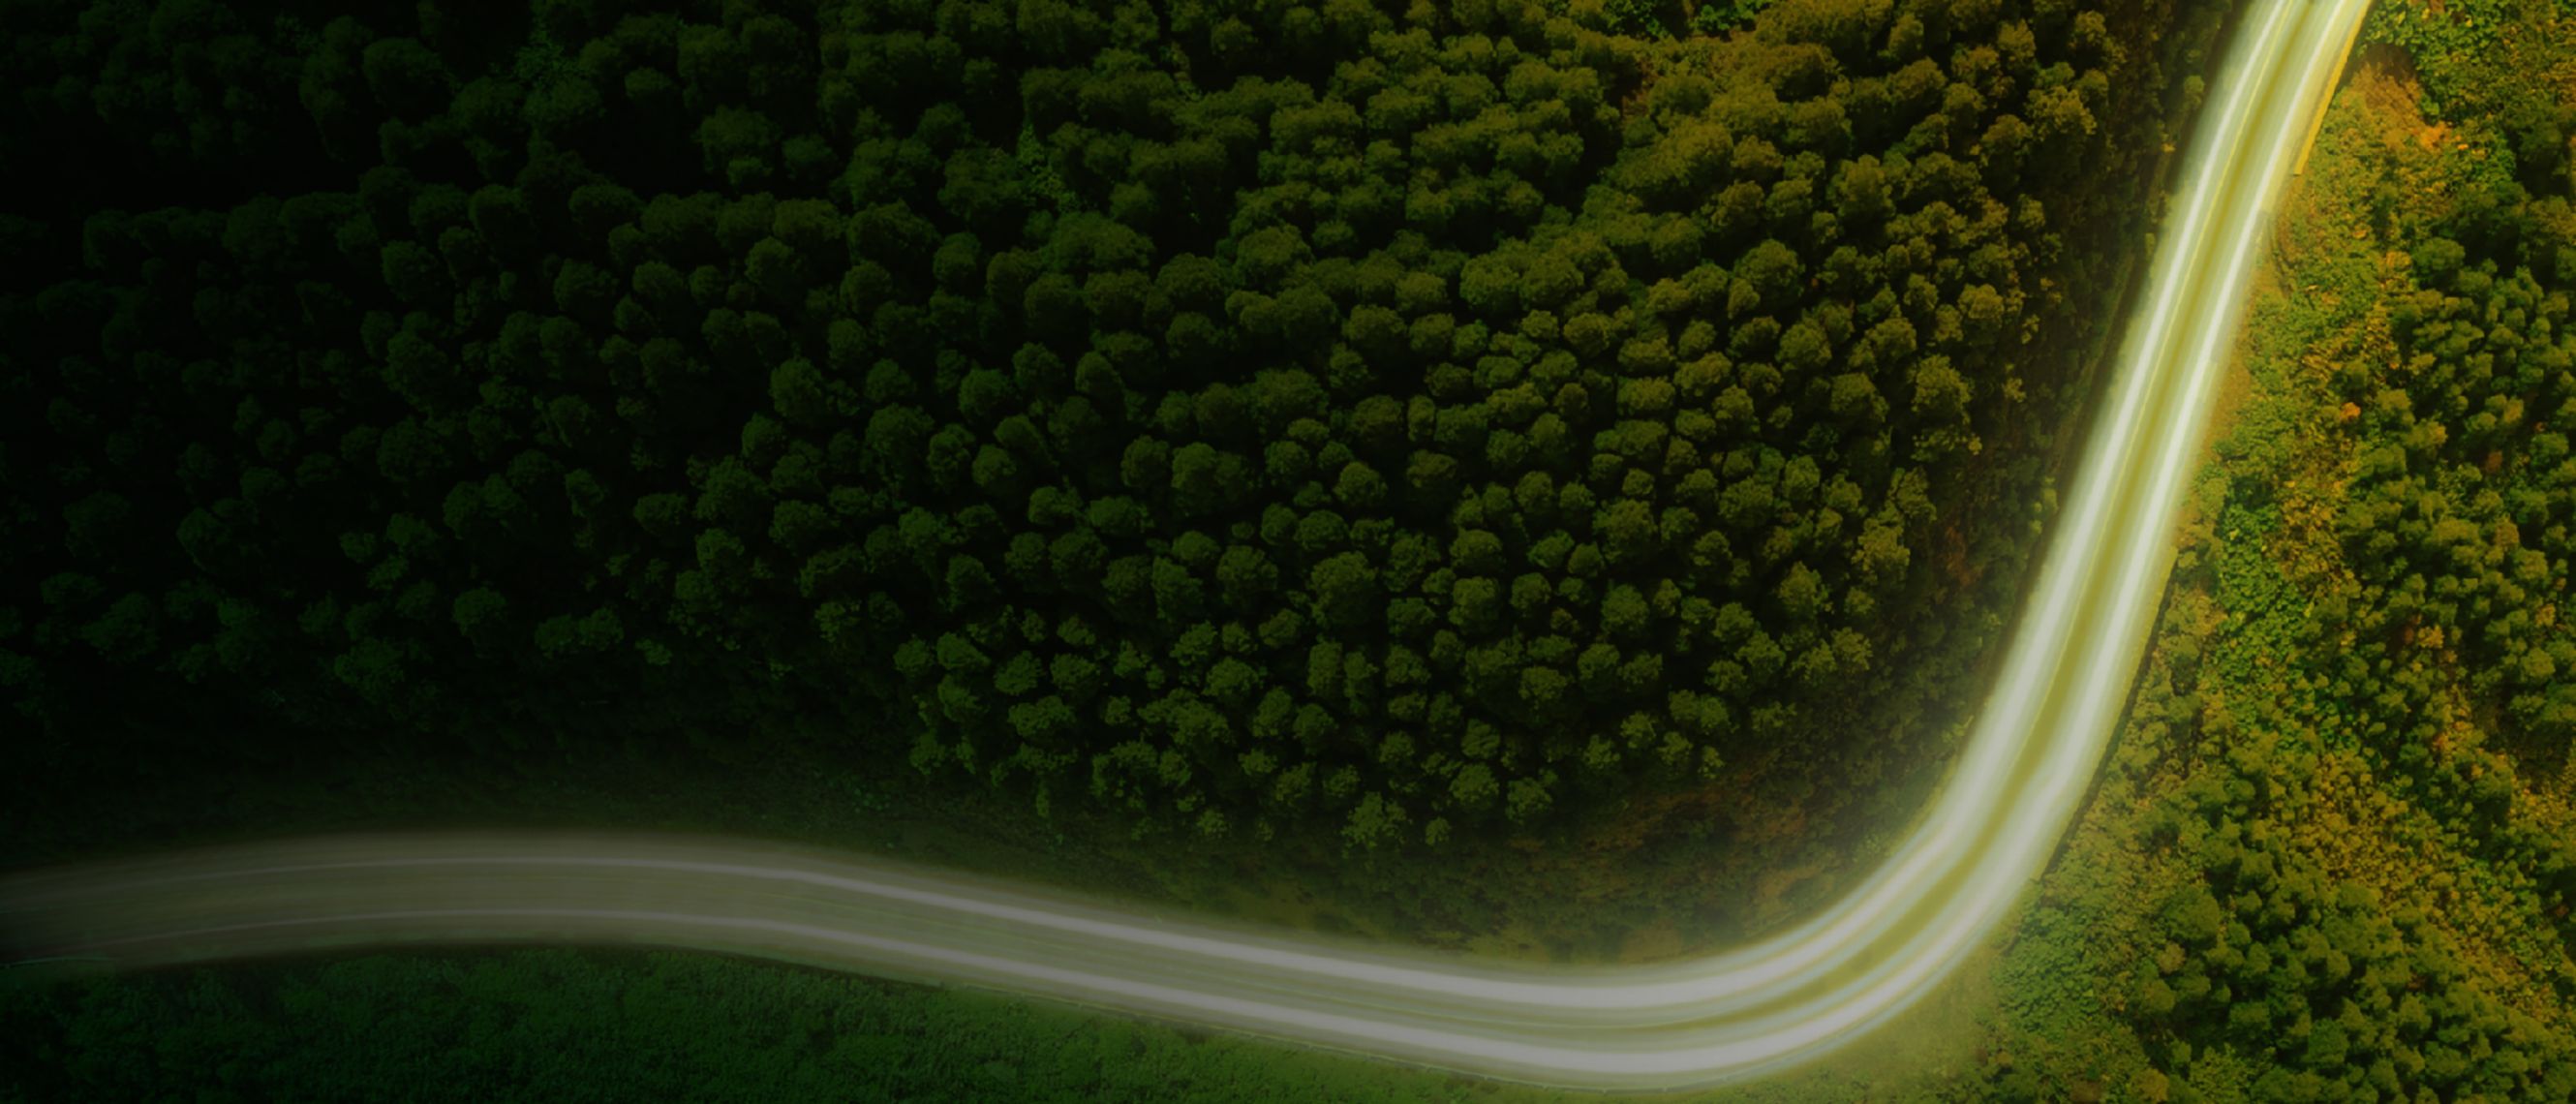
(1750,1010)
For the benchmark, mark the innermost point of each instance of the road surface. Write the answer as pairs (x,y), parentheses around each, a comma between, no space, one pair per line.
(1734,1015)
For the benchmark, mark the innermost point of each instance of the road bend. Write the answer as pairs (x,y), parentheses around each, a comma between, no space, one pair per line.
(1741,1013)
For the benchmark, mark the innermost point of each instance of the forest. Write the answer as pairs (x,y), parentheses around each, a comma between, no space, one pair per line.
(1398,426)
(1378,420)
(2335,856)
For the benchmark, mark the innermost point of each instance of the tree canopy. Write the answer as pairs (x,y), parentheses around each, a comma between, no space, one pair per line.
(1237,410)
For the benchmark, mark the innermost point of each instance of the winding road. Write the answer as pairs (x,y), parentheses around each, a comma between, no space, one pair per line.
(1742,1013)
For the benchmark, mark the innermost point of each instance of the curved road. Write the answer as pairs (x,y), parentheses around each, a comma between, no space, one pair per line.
(1727,1017)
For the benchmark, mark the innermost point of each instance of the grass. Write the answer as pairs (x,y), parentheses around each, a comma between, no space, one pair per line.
(565,1025)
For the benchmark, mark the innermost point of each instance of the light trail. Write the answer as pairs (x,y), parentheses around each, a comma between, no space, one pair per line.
(1726,1017)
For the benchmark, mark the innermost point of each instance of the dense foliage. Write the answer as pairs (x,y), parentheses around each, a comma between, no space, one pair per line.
(2333,858)
(1406,416)
(2337,858)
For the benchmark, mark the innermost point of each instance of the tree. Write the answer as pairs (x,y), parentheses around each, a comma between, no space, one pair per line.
(1528,799)
(1375,822)
(1245,577)
(1360,489)
(1345,590)
(1179,598)
(1508,372)
(1773,271)
(405,76)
